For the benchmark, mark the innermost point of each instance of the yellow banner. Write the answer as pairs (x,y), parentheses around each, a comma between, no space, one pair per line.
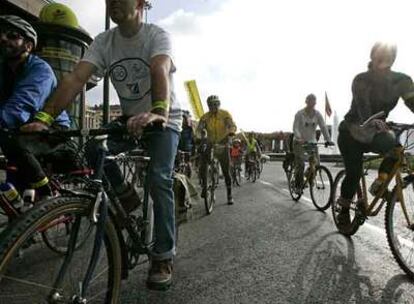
(194,97)
(244,136)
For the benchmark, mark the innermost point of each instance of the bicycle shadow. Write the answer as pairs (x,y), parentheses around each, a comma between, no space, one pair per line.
(329,273)
(311,221)
(394,293)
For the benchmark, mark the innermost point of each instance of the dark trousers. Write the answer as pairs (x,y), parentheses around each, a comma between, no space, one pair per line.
(352,153)
(24,153)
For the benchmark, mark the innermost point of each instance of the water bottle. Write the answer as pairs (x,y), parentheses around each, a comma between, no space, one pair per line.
(11,195)
(28,199)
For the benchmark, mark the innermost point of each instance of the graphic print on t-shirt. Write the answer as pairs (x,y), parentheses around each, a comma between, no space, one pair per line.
(131,78)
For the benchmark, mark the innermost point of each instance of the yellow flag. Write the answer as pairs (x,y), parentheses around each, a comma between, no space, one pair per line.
(194,97)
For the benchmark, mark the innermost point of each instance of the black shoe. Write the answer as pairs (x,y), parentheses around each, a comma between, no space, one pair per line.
(160,275)
(343,218)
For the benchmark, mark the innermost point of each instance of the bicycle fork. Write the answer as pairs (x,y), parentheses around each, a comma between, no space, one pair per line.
(98,216)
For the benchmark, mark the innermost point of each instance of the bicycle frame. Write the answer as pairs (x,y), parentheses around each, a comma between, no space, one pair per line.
(369,208)
(309,172)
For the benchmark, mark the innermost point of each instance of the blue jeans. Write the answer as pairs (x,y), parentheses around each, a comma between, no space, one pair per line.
(162,148)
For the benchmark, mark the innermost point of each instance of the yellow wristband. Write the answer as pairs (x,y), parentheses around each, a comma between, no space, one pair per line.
(160,104)
(44,117)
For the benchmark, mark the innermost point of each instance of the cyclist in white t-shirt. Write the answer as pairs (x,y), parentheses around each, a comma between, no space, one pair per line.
(139,60)
(304,131)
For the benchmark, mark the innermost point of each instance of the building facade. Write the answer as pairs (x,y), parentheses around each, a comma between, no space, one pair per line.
(94,115)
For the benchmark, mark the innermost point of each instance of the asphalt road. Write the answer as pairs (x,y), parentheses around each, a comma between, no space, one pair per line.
(267,248)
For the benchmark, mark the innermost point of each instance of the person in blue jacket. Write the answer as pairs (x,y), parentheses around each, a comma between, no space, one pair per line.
(26,81)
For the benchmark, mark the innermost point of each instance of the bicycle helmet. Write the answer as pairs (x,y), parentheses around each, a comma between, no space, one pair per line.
(387,52)
(21,25)
(213,100)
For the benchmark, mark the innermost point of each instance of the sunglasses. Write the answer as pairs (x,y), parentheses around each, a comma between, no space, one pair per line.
(11,34)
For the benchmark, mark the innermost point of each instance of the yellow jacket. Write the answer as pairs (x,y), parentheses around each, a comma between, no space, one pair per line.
(218,125)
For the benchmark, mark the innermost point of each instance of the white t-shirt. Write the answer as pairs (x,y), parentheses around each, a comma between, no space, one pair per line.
(304,126)
(128,63)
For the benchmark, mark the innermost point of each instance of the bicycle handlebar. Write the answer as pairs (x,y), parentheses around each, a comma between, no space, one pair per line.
(68,132)
(119,130)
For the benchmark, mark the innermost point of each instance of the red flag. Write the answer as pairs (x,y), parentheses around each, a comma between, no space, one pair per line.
(328,109)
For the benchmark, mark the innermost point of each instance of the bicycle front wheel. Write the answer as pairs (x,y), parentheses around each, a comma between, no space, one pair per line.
(321,188)
(209,196)
(295,193)
(28,269)
(399,225)
(355,218)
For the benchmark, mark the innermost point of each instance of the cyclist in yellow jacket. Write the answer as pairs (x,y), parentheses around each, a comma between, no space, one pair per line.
(220,127)
(253,151)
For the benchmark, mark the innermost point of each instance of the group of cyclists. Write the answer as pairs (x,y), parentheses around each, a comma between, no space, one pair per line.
(31,100)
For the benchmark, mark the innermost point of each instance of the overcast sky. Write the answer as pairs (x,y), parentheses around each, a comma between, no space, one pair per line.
(263,57)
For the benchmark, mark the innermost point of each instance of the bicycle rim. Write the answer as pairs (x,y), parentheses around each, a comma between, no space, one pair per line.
(28,269)
(209,191)
(321,188)
(399,235)
(354,216)
(292,187)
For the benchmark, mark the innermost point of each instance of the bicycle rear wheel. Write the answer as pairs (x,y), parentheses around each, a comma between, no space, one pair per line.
(355,217)
(321,188)
(400,235)
(28,269)
(209,196)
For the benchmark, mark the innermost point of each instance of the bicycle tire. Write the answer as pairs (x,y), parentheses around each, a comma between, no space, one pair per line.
(254,172)
(216,172)
(17,236)
(317,181)
(233,174)
(354,222)
(239,176)
(209,197)
(400,237)
(291,185)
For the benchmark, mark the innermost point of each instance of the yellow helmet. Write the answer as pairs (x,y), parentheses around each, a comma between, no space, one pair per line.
(59,14)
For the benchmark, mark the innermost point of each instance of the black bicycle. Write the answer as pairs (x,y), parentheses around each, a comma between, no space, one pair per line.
(209,175)
(235,171)
(253,167)
(93,272)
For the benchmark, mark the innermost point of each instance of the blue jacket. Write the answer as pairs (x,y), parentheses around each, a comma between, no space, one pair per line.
(34,84)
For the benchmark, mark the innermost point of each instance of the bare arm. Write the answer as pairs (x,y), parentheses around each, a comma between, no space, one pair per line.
(160,82)
(69,87)
(296,127)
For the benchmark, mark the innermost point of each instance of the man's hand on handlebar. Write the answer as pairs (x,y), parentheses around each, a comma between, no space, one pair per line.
(35,126)
(136,123)
(329,144)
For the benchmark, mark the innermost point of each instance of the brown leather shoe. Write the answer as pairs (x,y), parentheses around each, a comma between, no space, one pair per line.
(160,275)
(129,199)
